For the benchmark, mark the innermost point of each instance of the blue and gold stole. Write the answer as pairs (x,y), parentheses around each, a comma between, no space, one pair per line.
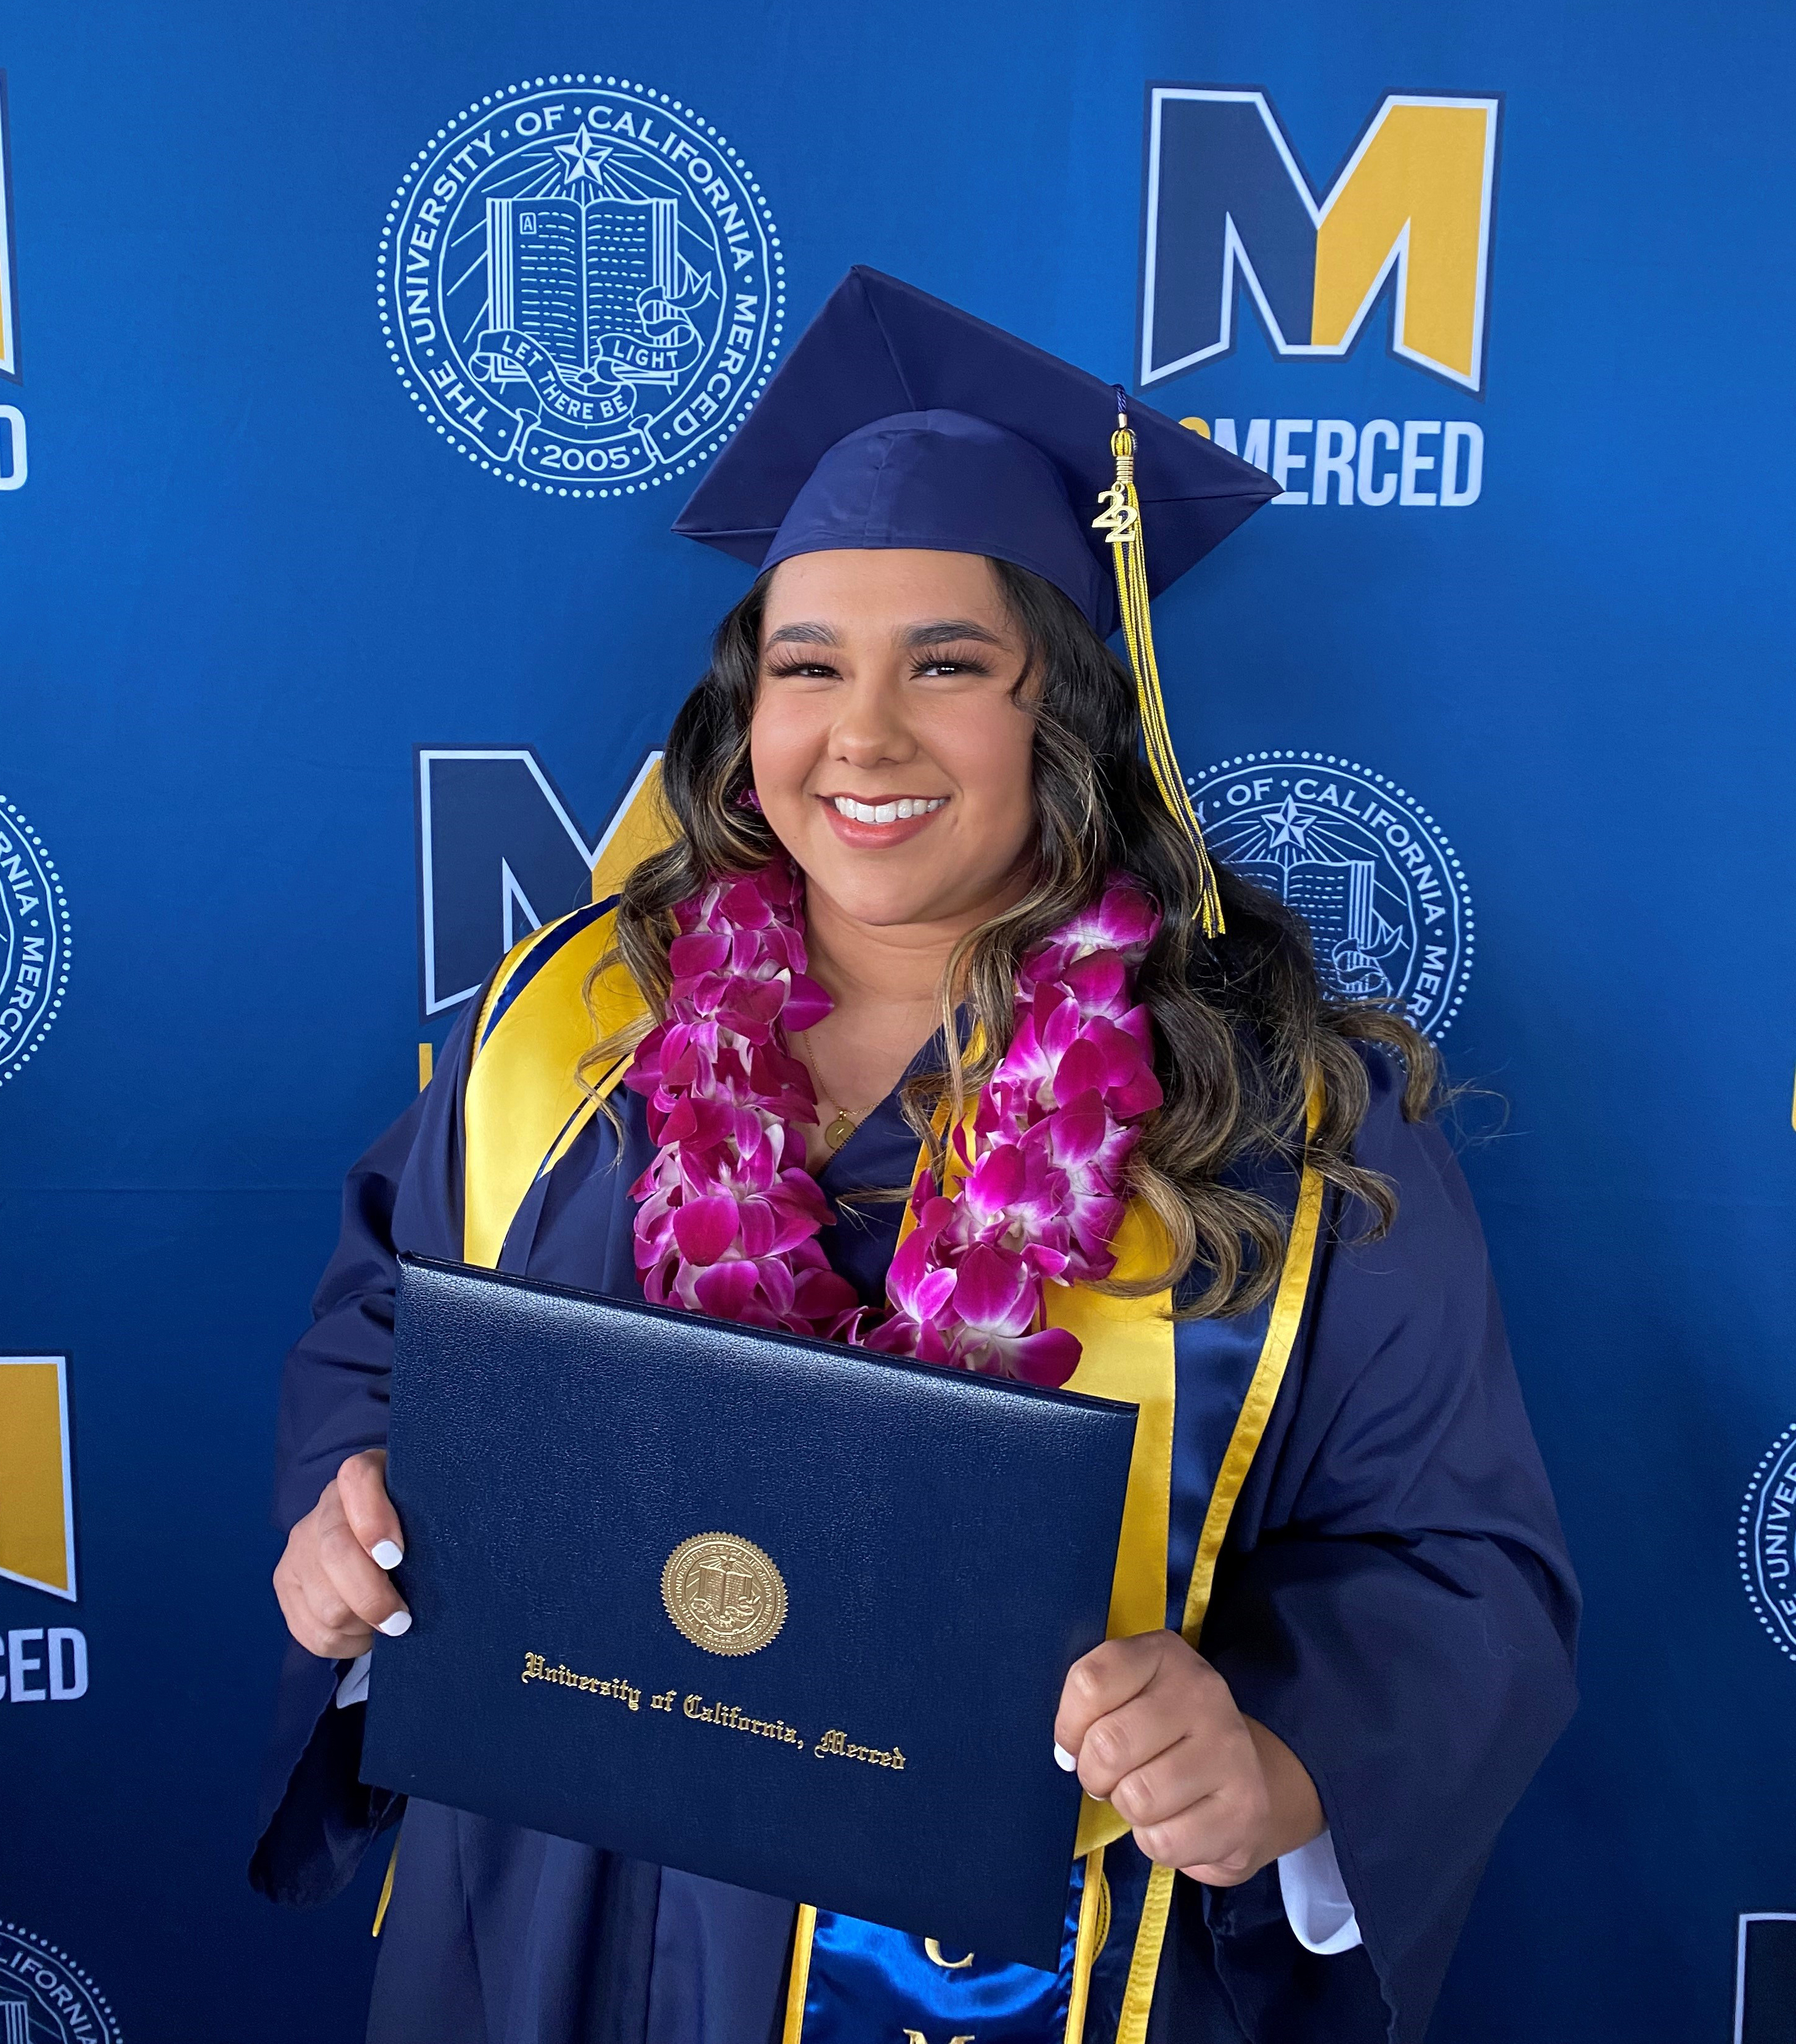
(1205,1391)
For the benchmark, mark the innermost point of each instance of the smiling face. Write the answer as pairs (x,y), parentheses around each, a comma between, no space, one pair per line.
(891,754)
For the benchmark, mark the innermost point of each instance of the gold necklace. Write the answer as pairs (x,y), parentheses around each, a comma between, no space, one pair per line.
(838,1131)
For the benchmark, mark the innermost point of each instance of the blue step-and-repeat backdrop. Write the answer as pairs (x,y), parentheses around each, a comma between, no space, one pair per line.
(334,637)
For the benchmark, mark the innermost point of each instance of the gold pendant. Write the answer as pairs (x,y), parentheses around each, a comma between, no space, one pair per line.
(839,1130)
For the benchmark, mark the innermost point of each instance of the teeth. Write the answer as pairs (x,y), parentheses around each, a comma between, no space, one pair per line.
(886,813)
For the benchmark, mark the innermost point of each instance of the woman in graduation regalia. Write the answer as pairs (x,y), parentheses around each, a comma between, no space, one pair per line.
(936,914)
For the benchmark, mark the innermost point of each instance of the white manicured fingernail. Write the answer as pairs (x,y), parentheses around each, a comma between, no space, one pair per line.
(386,1553)
(1064,1760)
(399,1622)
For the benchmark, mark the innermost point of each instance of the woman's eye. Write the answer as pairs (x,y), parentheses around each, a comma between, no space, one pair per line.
(802,670)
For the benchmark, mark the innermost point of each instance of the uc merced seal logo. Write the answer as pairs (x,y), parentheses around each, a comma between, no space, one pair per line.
(581,285)
(45,1998)
(34,943)
(1364,864)
(1767,1553)
(723,1593)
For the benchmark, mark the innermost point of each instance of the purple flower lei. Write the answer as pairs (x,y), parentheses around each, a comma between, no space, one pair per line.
(729,1217)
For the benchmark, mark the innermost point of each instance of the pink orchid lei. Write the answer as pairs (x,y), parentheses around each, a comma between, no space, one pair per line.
(729,1217)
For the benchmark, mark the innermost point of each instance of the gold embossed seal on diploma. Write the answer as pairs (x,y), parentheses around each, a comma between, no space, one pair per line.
(723,1593)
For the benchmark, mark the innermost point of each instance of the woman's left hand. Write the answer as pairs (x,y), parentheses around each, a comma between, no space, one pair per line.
(1154,1731)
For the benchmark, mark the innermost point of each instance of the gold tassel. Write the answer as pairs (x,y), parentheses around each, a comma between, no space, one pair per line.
(1121,519)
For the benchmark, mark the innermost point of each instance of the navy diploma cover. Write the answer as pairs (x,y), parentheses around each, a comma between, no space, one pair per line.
(784,1613)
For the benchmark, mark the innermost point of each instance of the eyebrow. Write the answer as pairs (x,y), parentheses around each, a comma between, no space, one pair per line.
(802,635)
(940,629)
(937,631)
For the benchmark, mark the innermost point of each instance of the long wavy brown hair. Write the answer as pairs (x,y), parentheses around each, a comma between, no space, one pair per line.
(1245,1030)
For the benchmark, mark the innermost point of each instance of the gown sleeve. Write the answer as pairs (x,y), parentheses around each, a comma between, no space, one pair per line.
(404,1195)
(1396,1602)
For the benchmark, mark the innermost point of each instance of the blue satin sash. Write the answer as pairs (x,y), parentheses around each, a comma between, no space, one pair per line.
(864,1981)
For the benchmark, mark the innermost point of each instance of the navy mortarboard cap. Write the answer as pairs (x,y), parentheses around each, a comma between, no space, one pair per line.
(898,420)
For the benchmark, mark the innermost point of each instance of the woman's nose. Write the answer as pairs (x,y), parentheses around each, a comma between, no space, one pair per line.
(870,728)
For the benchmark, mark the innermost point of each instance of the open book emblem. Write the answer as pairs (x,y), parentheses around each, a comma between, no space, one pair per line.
(723,1593)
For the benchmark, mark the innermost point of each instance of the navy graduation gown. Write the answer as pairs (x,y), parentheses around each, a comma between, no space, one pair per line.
(1394,1600)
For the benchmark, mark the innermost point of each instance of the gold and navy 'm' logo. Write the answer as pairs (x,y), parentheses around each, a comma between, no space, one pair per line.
(500,852)
(36,1484)
(9,279)
(1229,208)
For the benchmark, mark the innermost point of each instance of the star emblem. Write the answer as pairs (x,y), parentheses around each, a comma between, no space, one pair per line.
(581,156)
(1289,825)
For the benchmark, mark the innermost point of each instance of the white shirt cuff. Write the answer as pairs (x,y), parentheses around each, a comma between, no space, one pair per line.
(1316,1906)
(353,1689)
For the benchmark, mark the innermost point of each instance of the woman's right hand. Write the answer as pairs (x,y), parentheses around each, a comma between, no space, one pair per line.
(332,1580)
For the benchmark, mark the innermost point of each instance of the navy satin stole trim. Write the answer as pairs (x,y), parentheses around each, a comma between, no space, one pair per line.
(569,926)
(1214,1362)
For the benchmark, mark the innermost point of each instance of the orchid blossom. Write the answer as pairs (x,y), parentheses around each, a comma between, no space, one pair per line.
(728,1216)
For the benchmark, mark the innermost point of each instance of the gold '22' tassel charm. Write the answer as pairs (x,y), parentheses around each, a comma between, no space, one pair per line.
(1121,519)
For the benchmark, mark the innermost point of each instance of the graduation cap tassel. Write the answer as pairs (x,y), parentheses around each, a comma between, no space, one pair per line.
(1121,519)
